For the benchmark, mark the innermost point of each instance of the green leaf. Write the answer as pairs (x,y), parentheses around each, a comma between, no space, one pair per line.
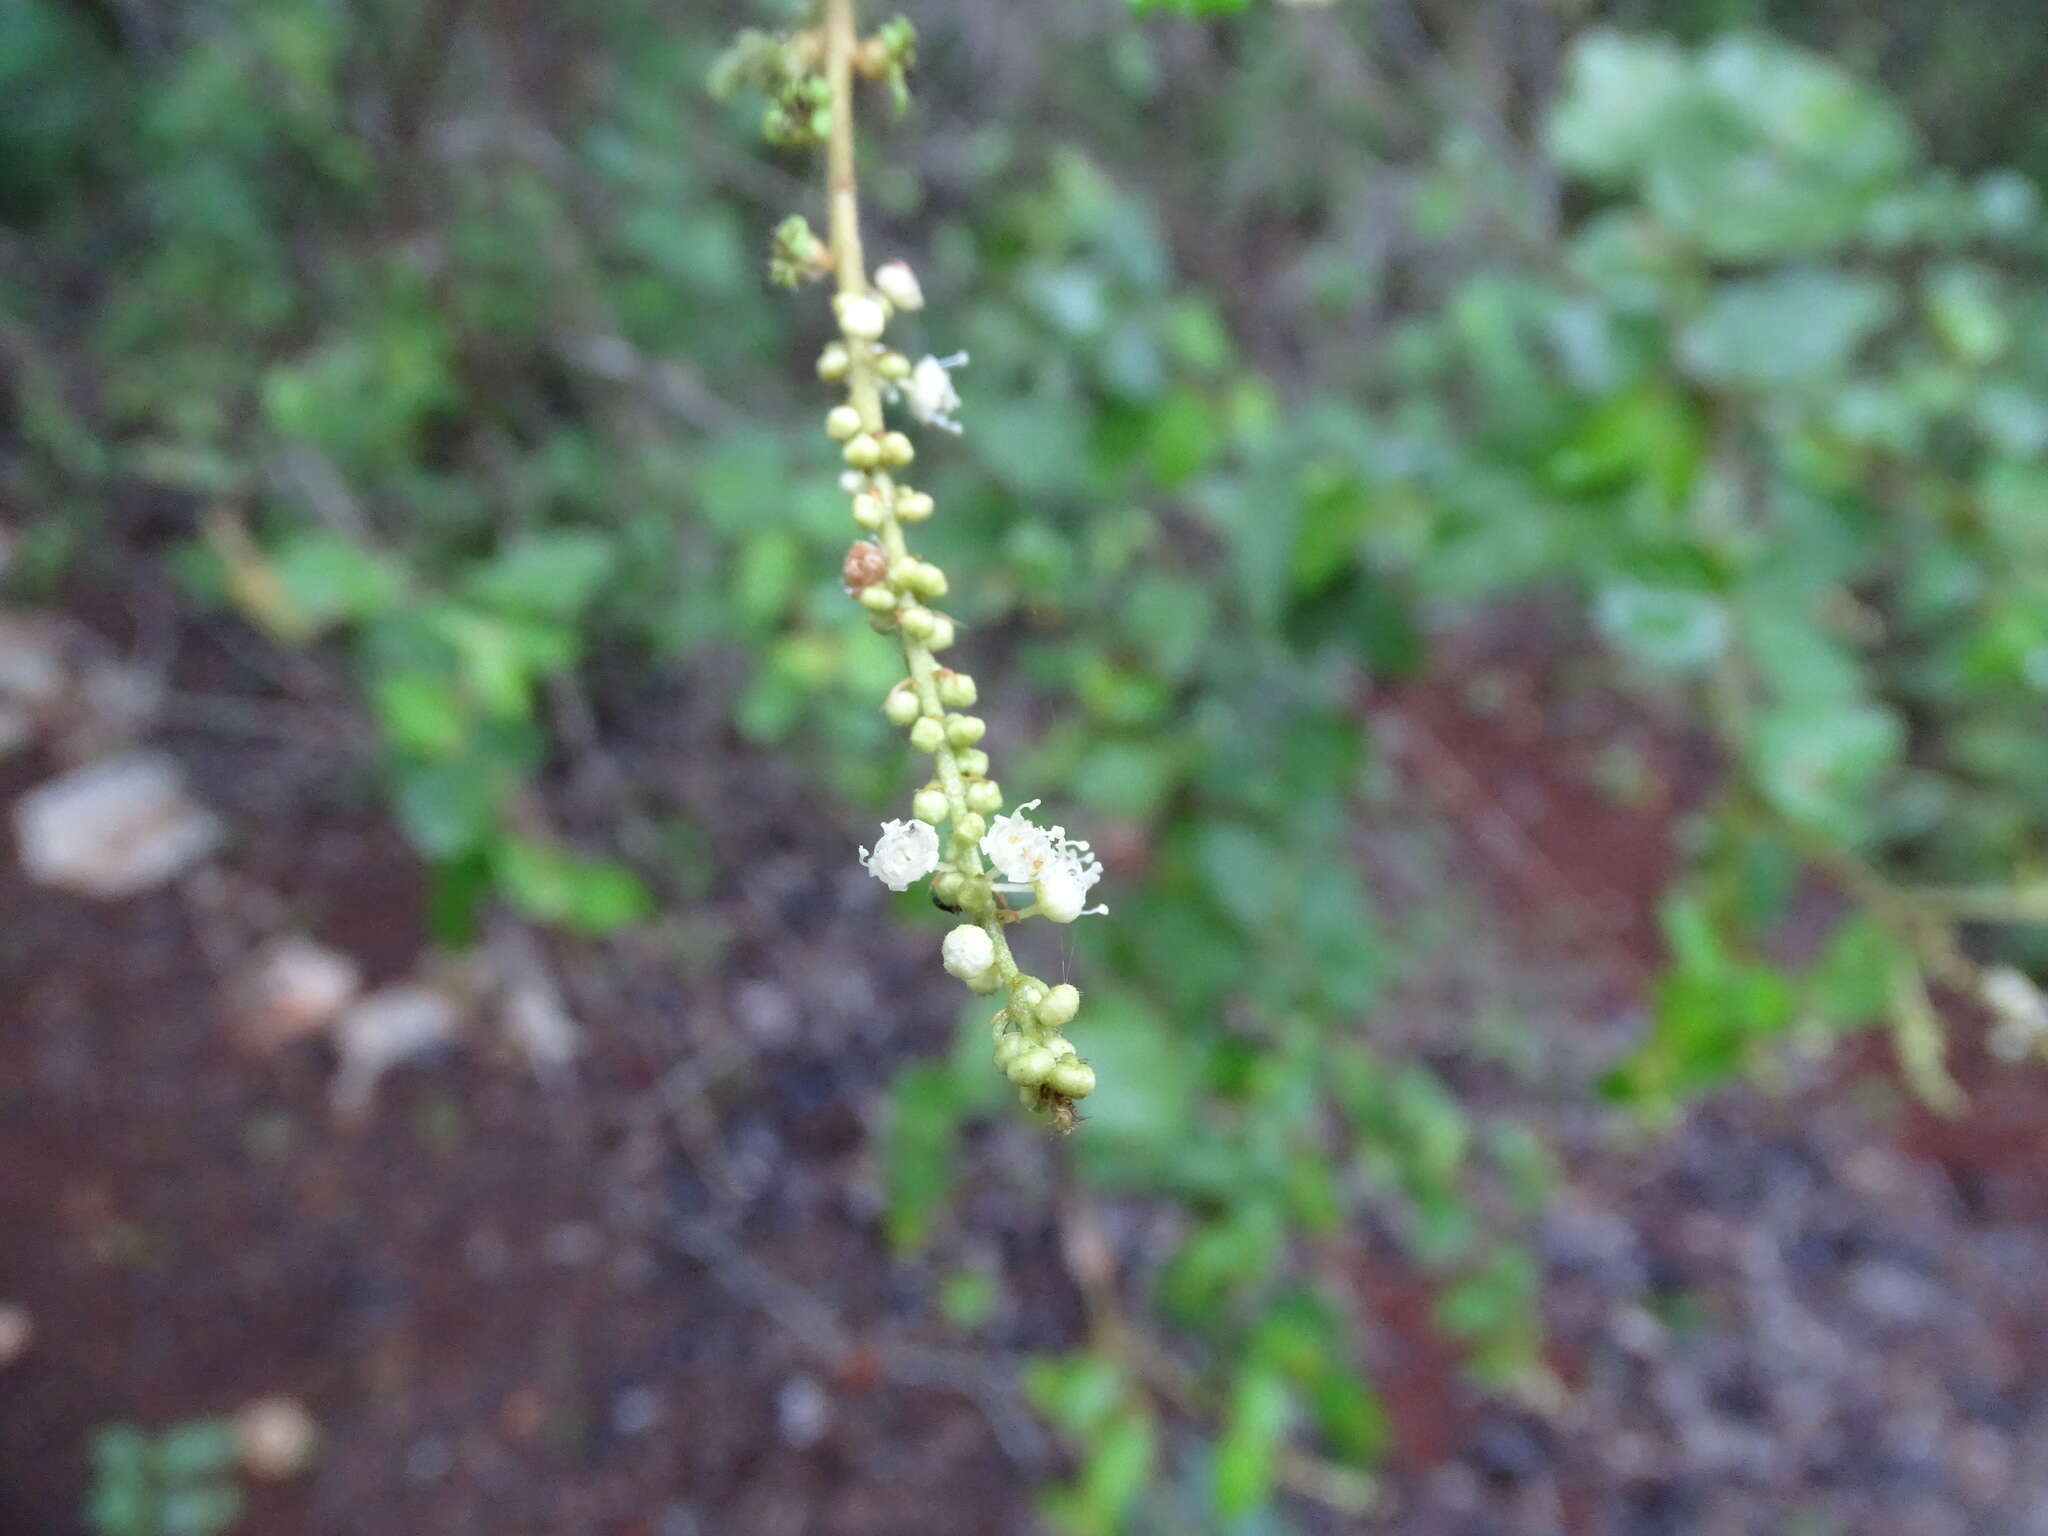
(917,1153)
(196,1448)
(1259,1410)
(551,575)
(1791,330)
(1818,766)
(1670,629)
(593,896)
(328,580)
(420,714)
(1619,94)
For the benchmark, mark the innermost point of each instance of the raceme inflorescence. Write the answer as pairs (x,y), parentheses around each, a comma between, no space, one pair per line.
(987,868)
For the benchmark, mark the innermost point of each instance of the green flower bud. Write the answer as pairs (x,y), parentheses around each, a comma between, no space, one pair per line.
(969,828)
(1075,1079)
(863,452)
(985,983)
(893,366)
(1028,1068)
(867,511)
(897,450)
(1060,1006)
(903,573)
(965,730)
(919,623)
(973,763)
(821,124)
(957,690)
(913,506)
(942,633)
(927,735)
(877,599)
(927,580)
(1061,1047)
(949,886)
(929,805)
(841,422)
(1009,1047)
(985,797)
(901,706)
(833,362)
(1027,999)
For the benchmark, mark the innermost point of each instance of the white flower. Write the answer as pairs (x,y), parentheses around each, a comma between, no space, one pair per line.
(1057,870)
(967,952)
(929,393)
(906,852)
(898,284)
(1017,848)
(1063,885)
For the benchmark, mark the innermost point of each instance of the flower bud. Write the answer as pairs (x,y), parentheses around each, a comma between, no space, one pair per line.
(967,951)
(861,315)
(926,734)
(863,452)
(942,633)
(927,580)
(969,828)
(833,362)
(1060,1006)
(1061,1047)
(877,599)
(864,565)
(1031,1067)
(893,366)
(901,706)
(956,689)
(973,762)
(841,422)
(903,573)
(949,886)
(929,805)
(1075,1079)
(985,797)
(898,284)
(919,623)
(965,730)
(985,983)
(1027,998)
(1009,1047)
(867,511)
(913,506)
(897,450)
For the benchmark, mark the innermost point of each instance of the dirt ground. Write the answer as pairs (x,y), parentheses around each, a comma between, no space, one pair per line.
(650,1294)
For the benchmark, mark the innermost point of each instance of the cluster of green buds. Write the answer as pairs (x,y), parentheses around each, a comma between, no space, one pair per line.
(979,862)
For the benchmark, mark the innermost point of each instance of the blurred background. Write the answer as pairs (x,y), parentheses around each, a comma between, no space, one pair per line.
(1518,527)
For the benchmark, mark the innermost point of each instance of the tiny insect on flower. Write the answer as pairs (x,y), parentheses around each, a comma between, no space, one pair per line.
(905,853)
(864,565)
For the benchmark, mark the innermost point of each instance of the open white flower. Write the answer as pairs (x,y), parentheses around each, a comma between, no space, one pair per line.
(929,394)
(905,853)
(1059,871)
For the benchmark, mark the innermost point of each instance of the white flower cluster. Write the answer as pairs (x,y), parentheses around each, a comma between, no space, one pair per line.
(1058,870)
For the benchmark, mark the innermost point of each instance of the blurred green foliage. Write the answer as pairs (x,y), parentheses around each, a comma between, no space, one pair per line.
(471,379)
(180,1482)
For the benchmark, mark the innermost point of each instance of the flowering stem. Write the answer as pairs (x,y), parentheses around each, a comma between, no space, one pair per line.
(863,392)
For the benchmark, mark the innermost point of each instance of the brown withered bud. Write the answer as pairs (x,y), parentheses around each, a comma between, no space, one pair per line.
(865,564)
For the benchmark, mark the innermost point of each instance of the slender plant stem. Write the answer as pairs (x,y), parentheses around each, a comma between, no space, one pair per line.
(864,394)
